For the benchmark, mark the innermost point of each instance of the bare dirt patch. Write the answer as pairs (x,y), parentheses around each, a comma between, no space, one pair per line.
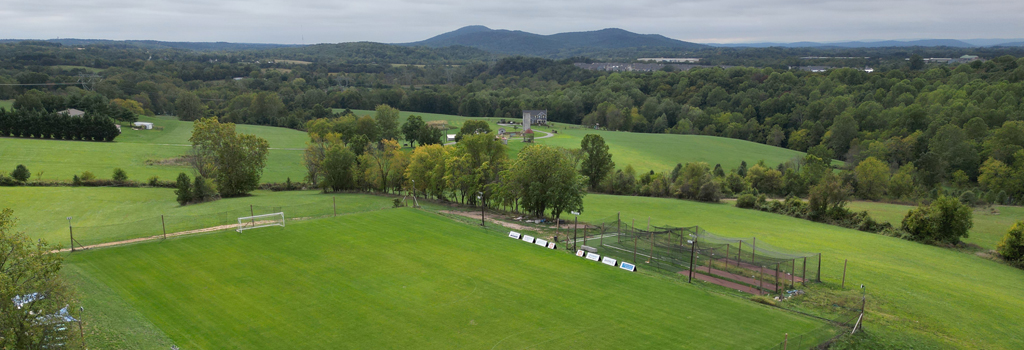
(475,215)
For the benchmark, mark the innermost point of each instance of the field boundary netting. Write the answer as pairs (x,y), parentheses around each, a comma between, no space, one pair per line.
(161,226)
(748,265)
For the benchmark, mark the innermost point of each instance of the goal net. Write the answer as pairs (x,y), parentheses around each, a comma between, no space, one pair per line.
(257,221)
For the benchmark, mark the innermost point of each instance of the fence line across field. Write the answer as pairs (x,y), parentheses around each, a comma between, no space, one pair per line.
(206,222)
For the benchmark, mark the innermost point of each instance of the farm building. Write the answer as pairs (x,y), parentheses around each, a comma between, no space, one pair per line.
(143,125)
(534,117)
(71,112)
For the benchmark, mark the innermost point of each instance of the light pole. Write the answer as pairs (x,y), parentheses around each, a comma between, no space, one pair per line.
(480,197)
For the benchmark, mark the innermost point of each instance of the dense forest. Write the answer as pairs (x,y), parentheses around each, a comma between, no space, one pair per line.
(945,126)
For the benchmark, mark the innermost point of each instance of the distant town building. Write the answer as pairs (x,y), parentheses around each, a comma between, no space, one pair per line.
(71,112)
(669,60)
(639,67)
(968,58)
(822,69)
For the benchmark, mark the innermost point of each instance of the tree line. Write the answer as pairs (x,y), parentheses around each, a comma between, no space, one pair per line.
(60,126)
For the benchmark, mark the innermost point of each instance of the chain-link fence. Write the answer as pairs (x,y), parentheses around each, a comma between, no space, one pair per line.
(744,264)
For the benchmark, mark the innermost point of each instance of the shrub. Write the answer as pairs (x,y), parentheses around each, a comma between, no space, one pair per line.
(794,207)
(202,190)
(8,181)
(184,189)
(87,176)
(21,173)
(945,220)
(120,175)
(397,203)
(709,192)
(154,181)
(1011,247)
(76,181)
(968,198)
(746,200)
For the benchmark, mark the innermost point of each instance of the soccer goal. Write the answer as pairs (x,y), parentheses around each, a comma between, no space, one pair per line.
(257,221)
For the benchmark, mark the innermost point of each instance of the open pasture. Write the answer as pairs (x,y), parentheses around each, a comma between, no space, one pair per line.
(934,294)
(139,151)
(990,223)
(405,278)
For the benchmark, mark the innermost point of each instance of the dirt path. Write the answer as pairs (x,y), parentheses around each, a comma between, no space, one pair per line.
(764,270)
(475,215)
(723,283)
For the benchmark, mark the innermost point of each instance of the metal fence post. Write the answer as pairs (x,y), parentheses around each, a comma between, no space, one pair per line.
(843,285)
(693,247)
(164,225)
(819,267)
(804,273)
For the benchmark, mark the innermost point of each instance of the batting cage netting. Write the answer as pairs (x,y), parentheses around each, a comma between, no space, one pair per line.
(744,264)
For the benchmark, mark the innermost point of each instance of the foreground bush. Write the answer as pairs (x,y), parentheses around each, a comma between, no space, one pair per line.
(946,220)
(1011,247)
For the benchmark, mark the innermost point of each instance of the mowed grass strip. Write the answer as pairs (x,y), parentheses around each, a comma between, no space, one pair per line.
(959,299)
(404,278)
(61,160)
(990,223)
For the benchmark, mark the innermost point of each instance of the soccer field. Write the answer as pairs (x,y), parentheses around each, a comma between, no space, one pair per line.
(404,278)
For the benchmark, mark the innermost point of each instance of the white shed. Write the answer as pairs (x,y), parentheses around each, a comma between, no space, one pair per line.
(143,125)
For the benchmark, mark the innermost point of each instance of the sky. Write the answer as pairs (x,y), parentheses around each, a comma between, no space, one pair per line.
(397,21)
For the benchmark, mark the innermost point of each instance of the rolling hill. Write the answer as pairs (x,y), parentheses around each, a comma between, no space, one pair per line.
(516,42)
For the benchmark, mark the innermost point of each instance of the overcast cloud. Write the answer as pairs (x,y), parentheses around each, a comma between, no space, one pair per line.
(331,21)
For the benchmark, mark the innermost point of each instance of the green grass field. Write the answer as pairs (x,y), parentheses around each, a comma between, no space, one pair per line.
(7,104)
(58,159)
(405,278)
(989,226)
(957,299)
(661,152)
(105,214)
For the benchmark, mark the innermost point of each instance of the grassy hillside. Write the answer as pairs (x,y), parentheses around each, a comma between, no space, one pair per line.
(990,224)
(63,159)
(661,152)
(422,282)
(104,214)
(658,152)
(7,104)
(915,290)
